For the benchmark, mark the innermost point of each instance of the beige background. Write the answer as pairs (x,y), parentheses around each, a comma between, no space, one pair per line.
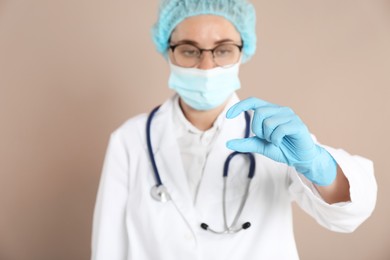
(72,71)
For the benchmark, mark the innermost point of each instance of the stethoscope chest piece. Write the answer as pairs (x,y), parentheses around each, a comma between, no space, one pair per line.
(160,193)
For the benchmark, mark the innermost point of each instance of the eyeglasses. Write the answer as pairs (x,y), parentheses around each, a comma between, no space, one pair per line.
(188,55)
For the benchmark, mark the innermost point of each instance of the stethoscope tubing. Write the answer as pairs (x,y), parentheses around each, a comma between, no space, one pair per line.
(160,193)
(149,144)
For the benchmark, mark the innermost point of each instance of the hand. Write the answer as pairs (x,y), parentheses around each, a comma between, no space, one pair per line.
(282,136)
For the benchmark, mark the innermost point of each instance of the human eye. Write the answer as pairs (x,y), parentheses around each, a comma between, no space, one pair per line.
(188,51)
(224,50)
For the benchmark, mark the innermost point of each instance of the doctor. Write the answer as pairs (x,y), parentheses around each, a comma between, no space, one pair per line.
(162,193)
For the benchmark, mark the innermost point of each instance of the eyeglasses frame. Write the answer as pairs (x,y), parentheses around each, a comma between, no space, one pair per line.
(173,47)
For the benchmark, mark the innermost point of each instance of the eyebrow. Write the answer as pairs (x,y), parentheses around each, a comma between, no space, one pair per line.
(186,41)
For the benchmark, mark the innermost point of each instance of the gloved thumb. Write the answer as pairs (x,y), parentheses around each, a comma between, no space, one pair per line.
(244,145)
(257,145)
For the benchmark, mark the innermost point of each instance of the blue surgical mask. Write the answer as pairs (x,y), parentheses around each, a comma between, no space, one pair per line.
(204,89)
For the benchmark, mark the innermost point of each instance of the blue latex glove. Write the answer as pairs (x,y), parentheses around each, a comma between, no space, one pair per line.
(282,136)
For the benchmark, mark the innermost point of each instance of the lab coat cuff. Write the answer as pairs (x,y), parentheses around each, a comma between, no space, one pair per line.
(353,170)
(312,192)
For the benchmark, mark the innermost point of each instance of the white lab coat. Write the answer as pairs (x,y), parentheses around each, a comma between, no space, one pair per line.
(130,224)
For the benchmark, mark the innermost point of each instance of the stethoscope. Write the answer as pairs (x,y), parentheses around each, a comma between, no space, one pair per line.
(161,194)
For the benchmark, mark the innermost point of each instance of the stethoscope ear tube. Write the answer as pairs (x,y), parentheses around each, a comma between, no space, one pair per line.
(252,165)
(206,227)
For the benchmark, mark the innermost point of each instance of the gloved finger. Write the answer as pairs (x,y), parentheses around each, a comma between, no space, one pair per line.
(244,105)
(261,114)
(257,145)
(294,129)
(272,123)
(264,114)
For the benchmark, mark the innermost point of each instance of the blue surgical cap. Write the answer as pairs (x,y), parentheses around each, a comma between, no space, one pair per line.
(239,12)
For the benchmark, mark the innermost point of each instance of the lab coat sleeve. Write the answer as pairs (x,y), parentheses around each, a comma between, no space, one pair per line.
(109,238)
(343,216)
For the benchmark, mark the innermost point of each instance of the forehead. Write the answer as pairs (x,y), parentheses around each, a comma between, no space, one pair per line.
(205,29)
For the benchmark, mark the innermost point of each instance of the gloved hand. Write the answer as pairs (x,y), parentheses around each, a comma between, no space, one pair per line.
(281,136)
